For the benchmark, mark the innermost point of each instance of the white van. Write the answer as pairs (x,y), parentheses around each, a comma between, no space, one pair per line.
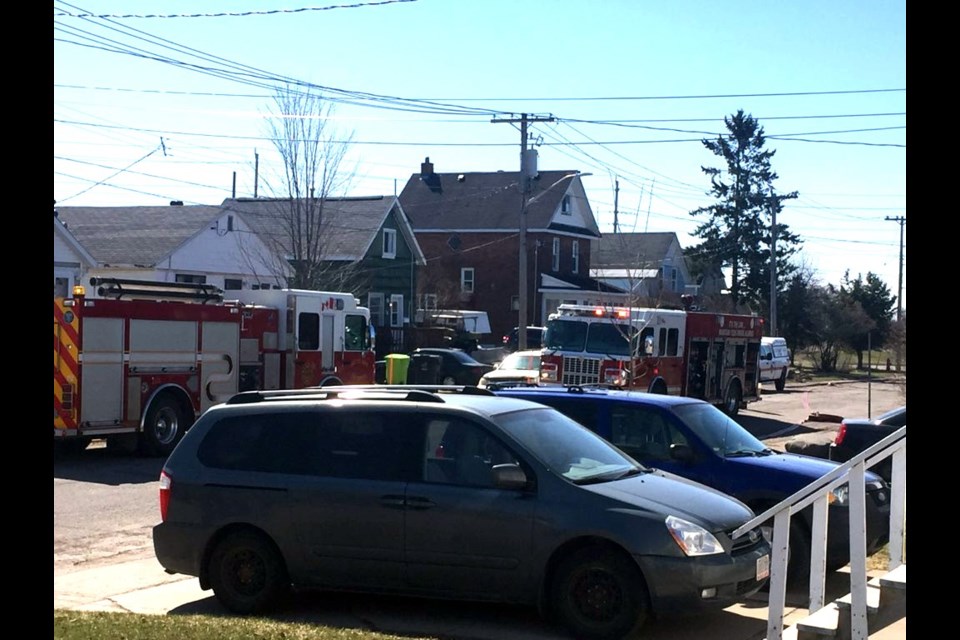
(774,361)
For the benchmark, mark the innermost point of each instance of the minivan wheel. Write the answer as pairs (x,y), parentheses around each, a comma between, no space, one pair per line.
(247,573)
(600,594)
(449,380)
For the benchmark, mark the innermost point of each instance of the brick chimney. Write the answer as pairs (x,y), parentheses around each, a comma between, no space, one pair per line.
(426,168)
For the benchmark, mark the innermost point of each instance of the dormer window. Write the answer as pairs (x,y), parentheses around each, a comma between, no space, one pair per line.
(565,207)
(389,243)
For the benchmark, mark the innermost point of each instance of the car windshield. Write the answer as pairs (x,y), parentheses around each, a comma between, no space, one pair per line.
(516,361)
(592,337)
(718,431)
(566,447)
(894,418)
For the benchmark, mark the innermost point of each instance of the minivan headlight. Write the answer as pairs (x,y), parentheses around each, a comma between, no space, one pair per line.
(693,540)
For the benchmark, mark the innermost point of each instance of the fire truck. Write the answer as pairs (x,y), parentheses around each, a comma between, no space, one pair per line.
(140,362)
(711,356)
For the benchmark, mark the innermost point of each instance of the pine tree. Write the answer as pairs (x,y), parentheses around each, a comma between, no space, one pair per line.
(739,232)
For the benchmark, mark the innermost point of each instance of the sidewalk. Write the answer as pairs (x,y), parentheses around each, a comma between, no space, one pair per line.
(141,586)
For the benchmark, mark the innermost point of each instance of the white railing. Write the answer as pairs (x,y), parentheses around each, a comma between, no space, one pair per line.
(817,494)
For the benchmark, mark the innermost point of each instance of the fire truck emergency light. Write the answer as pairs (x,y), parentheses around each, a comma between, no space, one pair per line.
(78,291)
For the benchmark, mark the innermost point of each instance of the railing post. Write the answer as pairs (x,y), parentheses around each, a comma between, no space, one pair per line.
(898,505)
(858,552)
(818,552)
(777,594)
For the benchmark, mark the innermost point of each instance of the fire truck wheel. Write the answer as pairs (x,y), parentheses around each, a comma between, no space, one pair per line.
(163,426)
(731,402)
(659,386)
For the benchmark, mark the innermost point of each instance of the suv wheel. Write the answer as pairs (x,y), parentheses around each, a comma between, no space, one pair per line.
(600,594)
(247,573)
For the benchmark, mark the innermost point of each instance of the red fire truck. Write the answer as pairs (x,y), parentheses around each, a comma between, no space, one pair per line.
(140,362)
(712,356)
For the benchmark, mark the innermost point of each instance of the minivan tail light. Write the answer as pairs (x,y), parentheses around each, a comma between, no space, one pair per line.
(165,483)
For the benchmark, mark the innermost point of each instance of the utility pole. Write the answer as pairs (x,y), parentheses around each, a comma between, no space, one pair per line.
(903,221)
(773,265)
(527,169)
(616,198)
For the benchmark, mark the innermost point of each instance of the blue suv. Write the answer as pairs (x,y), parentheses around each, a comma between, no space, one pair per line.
(694,439)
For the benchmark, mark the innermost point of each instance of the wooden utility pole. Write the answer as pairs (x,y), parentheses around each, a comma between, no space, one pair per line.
(903,222)
(527,171)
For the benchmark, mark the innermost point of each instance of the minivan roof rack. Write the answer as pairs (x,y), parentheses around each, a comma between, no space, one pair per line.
(411,393)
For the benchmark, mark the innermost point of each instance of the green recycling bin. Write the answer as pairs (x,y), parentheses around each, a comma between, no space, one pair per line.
(397,365)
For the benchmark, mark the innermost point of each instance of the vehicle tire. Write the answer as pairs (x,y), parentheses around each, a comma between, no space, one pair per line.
(599,593)
(163,426)
(247,573)
(731,402)
(798,554)
(781,382)
(449,380)
(659,386)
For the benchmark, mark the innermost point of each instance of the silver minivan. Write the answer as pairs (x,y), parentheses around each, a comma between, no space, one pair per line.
(774,362)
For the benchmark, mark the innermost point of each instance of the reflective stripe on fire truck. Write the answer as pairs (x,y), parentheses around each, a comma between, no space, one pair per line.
(66,367)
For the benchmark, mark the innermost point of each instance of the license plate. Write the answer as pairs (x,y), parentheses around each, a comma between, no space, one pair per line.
(763,567)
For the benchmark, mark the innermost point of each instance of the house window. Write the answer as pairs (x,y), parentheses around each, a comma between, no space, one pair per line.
(229,223)
(389,243)
(466,280)
(189,278)
(565,208)
(576,256)
(556,255)
(515,303)
(375,304)
(396,310)
(232,284)
(427,301)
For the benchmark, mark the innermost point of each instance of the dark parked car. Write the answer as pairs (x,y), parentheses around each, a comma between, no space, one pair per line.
(451,493)
(856,435)
(457,366)
(534,338)
(696,440)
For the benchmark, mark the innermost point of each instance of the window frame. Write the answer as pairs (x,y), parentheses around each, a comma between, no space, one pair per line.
(468,280)
(389,245)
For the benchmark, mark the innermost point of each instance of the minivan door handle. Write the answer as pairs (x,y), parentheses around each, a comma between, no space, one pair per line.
(396,502)
(416,502)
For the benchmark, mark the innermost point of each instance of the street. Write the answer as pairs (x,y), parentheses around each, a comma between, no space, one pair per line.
(106,504)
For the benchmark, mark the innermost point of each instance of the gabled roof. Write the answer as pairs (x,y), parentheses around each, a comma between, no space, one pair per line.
(484,201)
(135,236)
(631,250)
(350,225)
(61,230)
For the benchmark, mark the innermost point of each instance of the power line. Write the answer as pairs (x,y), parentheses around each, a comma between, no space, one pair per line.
(230,14)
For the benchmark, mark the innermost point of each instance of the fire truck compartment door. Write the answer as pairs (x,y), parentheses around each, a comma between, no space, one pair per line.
(327,340)
(101,377)
(221,362)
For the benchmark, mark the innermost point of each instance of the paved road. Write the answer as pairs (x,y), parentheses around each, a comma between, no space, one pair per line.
(133,581)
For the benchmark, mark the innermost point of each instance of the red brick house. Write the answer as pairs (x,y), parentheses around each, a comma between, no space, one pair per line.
(467,225)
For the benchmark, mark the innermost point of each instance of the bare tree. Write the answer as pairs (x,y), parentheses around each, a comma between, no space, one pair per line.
(312,153)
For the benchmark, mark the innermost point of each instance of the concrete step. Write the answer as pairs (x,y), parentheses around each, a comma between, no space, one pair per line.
(886,604)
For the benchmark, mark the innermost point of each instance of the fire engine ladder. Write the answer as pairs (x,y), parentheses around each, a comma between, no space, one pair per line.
(117,288)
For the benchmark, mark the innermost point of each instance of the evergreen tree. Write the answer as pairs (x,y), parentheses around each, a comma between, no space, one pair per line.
(878,303)
(739,232)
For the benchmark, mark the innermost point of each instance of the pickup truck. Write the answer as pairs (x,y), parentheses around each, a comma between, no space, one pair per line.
(856,435)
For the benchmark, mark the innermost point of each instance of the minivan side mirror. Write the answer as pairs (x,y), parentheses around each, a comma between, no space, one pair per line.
(681,453)
(509,476)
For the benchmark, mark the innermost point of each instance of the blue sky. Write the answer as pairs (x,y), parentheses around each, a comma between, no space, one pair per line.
(158,101)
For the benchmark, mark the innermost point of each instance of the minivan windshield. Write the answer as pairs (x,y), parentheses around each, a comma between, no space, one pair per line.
(566,447)
(718,431)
